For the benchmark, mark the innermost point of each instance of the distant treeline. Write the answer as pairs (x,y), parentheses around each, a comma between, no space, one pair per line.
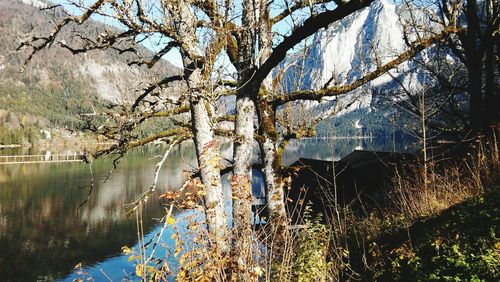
(375,123)
(19,135)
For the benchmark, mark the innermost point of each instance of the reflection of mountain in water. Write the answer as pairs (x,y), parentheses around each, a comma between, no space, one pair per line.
(334,149)
(41,226)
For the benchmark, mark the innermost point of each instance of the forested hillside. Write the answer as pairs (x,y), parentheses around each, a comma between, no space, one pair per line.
(53,89)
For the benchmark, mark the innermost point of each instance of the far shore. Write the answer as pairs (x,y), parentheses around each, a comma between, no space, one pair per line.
(338,137)
(10,146)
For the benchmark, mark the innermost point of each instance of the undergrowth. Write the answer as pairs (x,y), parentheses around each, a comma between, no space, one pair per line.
(439,225)
(461,244)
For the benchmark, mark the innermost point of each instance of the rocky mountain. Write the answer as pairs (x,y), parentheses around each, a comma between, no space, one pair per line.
(347,50)
(56,85)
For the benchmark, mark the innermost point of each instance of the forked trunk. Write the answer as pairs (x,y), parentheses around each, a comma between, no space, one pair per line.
(207,149)
(268,146)
(274,190)
(272,169)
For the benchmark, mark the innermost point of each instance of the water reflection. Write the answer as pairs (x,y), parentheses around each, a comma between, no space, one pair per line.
(335,149)
(43,234)
(42,227)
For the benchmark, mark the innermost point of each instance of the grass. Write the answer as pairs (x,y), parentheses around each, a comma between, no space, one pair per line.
(438,224)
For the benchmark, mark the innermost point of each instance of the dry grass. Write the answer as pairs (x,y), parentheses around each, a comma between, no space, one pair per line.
(415,193)
(419,193)
(338,248)
(418,196)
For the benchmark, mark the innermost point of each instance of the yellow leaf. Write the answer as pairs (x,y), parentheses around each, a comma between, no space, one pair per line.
(190,203)
(170,220)
(258,271)
(138,270)
(131,258)
(126,250)
(182,260)
(177,251)
(151,269)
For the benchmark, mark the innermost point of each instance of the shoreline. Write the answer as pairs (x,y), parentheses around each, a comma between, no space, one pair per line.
(336,137)
(10,146)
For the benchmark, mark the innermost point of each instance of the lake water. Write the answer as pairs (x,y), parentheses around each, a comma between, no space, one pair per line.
(44,233)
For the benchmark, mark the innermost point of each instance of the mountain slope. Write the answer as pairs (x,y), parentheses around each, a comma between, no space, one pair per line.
(56,85)
(348,50)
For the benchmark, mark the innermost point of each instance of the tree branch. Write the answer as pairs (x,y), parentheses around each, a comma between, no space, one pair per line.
(152,87)
(415,48)
(298,5)
(308,28)
(47,41)
(150,63)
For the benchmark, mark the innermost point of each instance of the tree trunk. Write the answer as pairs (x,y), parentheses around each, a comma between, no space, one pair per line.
(208,156)
(243,152)
(274,186)
(241,184)
(272,166)
(475,95)
(491,98)
(474,61)
(207,149)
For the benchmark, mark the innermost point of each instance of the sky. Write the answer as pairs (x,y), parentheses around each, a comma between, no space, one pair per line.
(173,56)
(155,42)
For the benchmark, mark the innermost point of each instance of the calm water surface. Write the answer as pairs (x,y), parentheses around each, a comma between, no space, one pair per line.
(44,233)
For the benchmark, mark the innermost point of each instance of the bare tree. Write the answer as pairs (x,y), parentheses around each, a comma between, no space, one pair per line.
(260,90)
(201,31)
(473,47)
(178,22)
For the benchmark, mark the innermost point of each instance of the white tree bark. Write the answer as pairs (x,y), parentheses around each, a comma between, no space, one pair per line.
(274,188)
(207,149)
(268,146)
(243,151)
(241,182)
(208,155)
